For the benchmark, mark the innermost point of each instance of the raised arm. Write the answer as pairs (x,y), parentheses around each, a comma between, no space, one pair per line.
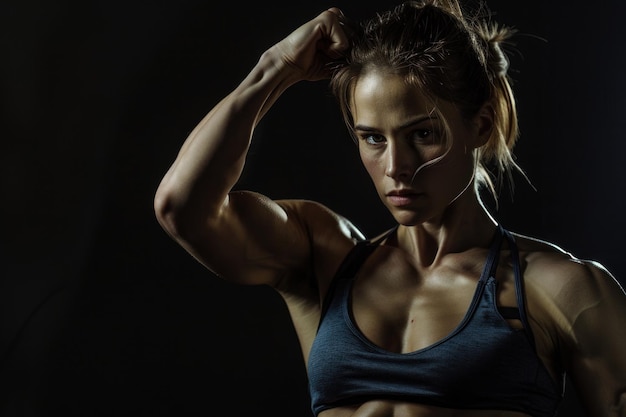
(244,236)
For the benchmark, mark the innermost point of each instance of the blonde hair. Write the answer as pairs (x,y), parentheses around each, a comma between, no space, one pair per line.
(449,55)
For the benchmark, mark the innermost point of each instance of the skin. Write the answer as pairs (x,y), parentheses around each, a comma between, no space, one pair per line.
(429,269)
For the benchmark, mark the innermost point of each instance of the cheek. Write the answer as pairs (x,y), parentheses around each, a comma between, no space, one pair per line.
(365,159)
(458,153)
(452,172)
(372,166)
(454,161)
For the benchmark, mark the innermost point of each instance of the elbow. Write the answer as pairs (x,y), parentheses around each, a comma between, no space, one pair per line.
(173,211)
(166,214)
(181,217)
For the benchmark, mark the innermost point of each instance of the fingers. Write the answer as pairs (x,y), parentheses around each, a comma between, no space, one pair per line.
(310,50)
(337,12)
(338,33)
(346,24)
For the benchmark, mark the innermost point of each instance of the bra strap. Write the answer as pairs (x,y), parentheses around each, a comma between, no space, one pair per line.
(351,264)
(494,254)
(519,285)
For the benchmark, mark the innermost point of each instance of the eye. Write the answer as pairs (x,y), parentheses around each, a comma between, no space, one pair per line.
(424,137)
(372,139)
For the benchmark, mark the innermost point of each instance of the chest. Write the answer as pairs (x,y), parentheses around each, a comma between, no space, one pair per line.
(388,336)
(402,308)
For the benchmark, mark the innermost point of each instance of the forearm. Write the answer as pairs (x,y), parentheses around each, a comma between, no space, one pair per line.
(212,158)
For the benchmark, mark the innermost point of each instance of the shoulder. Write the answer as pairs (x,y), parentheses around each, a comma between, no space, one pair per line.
(578,309)
(331,235)
(564,291)
(321,221)
(548,265)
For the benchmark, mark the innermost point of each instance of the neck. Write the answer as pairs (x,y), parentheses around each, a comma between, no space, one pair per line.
(465,225)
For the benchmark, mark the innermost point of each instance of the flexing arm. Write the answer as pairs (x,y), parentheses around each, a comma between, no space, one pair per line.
(239,235)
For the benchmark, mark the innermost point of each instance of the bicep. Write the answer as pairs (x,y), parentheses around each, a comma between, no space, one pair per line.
(254,240)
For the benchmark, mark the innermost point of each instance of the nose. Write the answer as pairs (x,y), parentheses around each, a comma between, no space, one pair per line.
(400,161)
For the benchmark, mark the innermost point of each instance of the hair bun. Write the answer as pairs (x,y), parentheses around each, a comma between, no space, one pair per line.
(494,37)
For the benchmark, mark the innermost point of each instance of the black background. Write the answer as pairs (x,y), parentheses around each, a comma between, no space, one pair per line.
(101,314)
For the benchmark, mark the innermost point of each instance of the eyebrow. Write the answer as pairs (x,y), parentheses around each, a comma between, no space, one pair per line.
(409,123)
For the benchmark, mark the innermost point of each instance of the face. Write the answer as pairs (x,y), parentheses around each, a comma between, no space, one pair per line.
(402,145)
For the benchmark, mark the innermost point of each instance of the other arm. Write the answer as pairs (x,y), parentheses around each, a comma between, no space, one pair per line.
(595,340)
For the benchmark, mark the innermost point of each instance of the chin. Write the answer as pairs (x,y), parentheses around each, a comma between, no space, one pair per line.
(408,217)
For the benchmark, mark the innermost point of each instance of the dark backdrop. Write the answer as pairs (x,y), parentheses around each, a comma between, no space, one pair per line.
(101,314)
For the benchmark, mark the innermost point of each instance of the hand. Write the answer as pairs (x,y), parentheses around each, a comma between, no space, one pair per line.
(309,49)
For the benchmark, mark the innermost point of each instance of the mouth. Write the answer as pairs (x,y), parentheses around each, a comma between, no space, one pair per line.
(399,198)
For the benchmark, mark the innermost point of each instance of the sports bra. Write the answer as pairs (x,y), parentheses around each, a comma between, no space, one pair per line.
(482,364)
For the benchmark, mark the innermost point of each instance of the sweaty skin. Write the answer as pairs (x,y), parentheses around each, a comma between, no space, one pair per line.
(427,272)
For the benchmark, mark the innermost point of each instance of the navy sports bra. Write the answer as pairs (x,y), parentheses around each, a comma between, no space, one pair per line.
(483,364)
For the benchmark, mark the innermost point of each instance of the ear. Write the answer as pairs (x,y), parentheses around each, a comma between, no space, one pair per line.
(483,124)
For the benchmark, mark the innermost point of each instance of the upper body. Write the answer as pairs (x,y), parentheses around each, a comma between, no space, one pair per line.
(425,137)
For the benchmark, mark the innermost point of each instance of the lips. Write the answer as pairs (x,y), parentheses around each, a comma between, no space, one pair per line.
(401,198)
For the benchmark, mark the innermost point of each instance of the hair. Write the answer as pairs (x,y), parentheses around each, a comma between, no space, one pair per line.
(449,56)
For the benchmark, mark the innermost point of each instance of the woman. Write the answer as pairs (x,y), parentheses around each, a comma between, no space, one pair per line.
(446,314)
